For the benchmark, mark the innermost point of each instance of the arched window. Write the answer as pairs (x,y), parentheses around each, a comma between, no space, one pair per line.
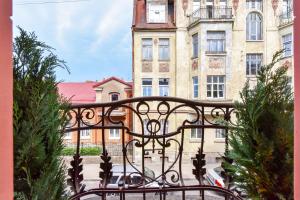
(254,26)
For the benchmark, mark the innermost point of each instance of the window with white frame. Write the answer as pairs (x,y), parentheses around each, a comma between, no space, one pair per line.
(287,44)
(147,49)
(223,3)
(164,126)
(196,5)
(287,8)
(163,87)
(145,123)
(254,26)
(114,133)
(253,64)
(68,136)
(147,87)
(156,13)
(254,4)
(195,87)
(114,97)
(164,49)
(215,86)
(216,41)
(196,133)
(220,133)
(195,45)
(86,133)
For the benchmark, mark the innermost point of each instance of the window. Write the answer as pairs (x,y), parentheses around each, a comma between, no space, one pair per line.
(216,41)
(196,133)
(163,87)
(195,45)
(68,136)
(215,86)
(114,133)
(162,123)
(156,13)
(220,133)
(254,26)
(147,87)
(287,44)
(145,123)
(196,5)
(195,87)
(147,49)
(254,4)
(85,134)
(209,2)
(223,3)
(287,8)
(114,97)
(254,62)
(164,49)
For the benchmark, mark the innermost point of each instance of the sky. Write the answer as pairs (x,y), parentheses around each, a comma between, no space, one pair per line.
(92,36)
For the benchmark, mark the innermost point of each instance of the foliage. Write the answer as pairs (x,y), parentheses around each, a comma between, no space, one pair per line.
(84,151)
(38,116)
(262,140)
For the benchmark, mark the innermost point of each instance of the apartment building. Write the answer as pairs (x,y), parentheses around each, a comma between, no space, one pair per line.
(107,90)
(205,50)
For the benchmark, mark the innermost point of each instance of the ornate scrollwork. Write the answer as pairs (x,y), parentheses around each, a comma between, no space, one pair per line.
(106,167)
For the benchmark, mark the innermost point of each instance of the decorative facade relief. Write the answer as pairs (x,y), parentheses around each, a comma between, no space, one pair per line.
(195,64)
(164,67)
(216,62)
(235,5)
(146,67)
(274,5)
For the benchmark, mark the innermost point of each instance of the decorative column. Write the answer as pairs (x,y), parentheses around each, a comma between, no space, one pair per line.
(235,5)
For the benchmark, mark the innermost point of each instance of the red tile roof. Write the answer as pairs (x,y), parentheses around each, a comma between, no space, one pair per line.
(140,20)
(84,92)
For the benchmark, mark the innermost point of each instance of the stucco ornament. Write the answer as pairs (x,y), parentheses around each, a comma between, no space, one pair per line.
(235,5)
(287,64)
(184,5)
(274,5)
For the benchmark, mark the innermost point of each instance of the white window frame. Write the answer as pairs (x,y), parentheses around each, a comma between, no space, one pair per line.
(287,40)
(196,5)
(164,90)
(195,42)
(162,123)
(147,49)
(114,134)
(254,4)
(196,131)
(68,136)
(146,89)
(220,134)
(195,80)
(85,134)
(254,27)
(287,6)
(215,84)
(253,60)
(164,49)
(216,41)
(157,13)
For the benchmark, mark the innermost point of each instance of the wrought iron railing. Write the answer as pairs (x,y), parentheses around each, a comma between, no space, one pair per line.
(286,17)
(204,13)
(153,137)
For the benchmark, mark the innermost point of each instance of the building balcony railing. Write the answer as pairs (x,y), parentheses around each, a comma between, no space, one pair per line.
(213,13)
(156,138)
(286,18)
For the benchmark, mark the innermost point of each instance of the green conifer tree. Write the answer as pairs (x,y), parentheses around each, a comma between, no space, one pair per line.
(38,115)
(262,140)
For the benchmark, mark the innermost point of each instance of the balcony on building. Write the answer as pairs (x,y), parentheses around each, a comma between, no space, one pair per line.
(286,18)
(210,13)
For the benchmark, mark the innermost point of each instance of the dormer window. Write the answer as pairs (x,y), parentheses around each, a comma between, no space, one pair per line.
(156,12)
(114,97)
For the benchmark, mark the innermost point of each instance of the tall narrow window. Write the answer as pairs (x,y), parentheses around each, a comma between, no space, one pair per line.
(114,134)
(156,13)
(216,41)
(195,45)
(163,87)
(220,133)
(215,86)
(223,3)
(253,63)
(147,87)
(287,8)
(254,4)
(196,133)
(164,49)
(195,87)
(254,26)
(196,5)
(287,44)
(147,49)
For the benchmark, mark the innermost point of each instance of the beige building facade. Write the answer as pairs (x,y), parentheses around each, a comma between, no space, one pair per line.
(205,50)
